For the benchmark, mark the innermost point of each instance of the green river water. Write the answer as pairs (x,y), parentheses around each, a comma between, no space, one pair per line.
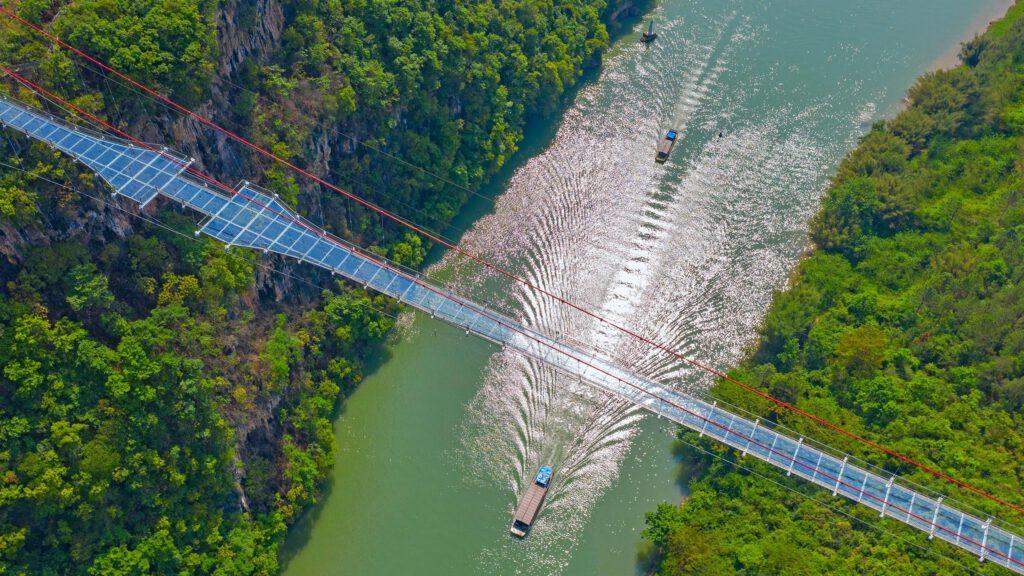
(435,446)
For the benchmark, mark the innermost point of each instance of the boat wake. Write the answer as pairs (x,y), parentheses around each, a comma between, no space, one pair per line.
(687,253)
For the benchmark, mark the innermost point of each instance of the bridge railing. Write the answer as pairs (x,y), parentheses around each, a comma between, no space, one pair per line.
(252,218)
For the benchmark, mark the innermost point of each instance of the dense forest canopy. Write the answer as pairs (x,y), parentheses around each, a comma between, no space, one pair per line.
(125,377)
(446,85)
(165,404)
(903,326)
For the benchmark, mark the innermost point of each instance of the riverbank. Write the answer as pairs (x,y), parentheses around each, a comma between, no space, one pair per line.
(978,26)
(446,434)
(191,425)
(901,326)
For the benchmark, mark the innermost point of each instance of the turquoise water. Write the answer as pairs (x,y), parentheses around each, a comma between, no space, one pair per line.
(436,445)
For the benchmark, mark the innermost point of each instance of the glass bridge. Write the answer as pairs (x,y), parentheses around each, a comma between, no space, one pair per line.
(251,218)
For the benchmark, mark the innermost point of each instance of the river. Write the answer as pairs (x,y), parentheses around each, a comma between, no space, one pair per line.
(437,443)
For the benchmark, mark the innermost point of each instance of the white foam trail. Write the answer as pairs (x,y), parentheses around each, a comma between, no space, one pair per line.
(687,253)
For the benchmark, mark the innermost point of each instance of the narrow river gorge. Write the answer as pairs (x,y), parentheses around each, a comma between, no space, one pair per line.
(436,444)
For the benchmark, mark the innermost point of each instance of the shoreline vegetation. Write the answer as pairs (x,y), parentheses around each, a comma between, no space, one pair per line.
(902,325)
(166,405)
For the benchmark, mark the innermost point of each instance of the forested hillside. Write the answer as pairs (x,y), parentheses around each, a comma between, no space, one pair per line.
(165,404)
(904,325)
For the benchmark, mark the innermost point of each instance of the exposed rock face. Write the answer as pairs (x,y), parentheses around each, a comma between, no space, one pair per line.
(247,30)
(619,11)
(92,220)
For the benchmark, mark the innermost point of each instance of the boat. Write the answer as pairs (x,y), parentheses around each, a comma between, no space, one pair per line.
(665,147)
(650,35)
(530,503)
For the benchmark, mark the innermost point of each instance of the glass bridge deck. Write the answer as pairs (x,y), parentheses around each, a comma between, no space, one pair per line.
(249,217)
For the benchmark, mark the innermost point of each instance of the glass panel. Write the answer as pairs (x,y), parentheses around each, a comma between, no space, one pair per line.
(416,295)
(383,280)
(119,181)
(133,167)
(924,509)
(972,532)
(1015,553)
(228,212)
(729,433)
(448,309)
(44,131)
(782,452)
(486,327)
(58,134)
(252,194)
(319,251)
(723,422)
(221,234)
(431,300)
(287,239)
(31,124)
(874,492)
(828,471)
(270,231)
(169,164)
(107,156)
(160,180)
(82,145)
(231,231)
(190,193)
(852,480)
(68,140)
(213,226)
(146,174)
(259,225)
(242,214)
(399,286)
(207,202)
(947,523)
(500,332)
(997,545)
(305,242)
(135,191)
(806,461)
(115,168)
(174,188)
(762,439)
(899,501)
(470,316)
(366,271)
(8,112)
(349,265)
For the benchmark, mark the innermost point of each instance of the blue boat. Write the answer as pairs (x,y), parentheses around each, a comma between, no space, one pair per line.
(530,504)
(665,147)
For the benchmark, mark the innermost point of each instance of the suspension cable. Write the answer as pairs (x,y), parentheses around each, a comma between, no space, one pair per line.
(511,275)
(157,223)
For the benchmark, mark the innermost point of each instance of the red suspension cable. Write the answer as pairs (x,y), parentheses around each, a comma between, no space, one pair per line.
(794,462)
(508,274)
